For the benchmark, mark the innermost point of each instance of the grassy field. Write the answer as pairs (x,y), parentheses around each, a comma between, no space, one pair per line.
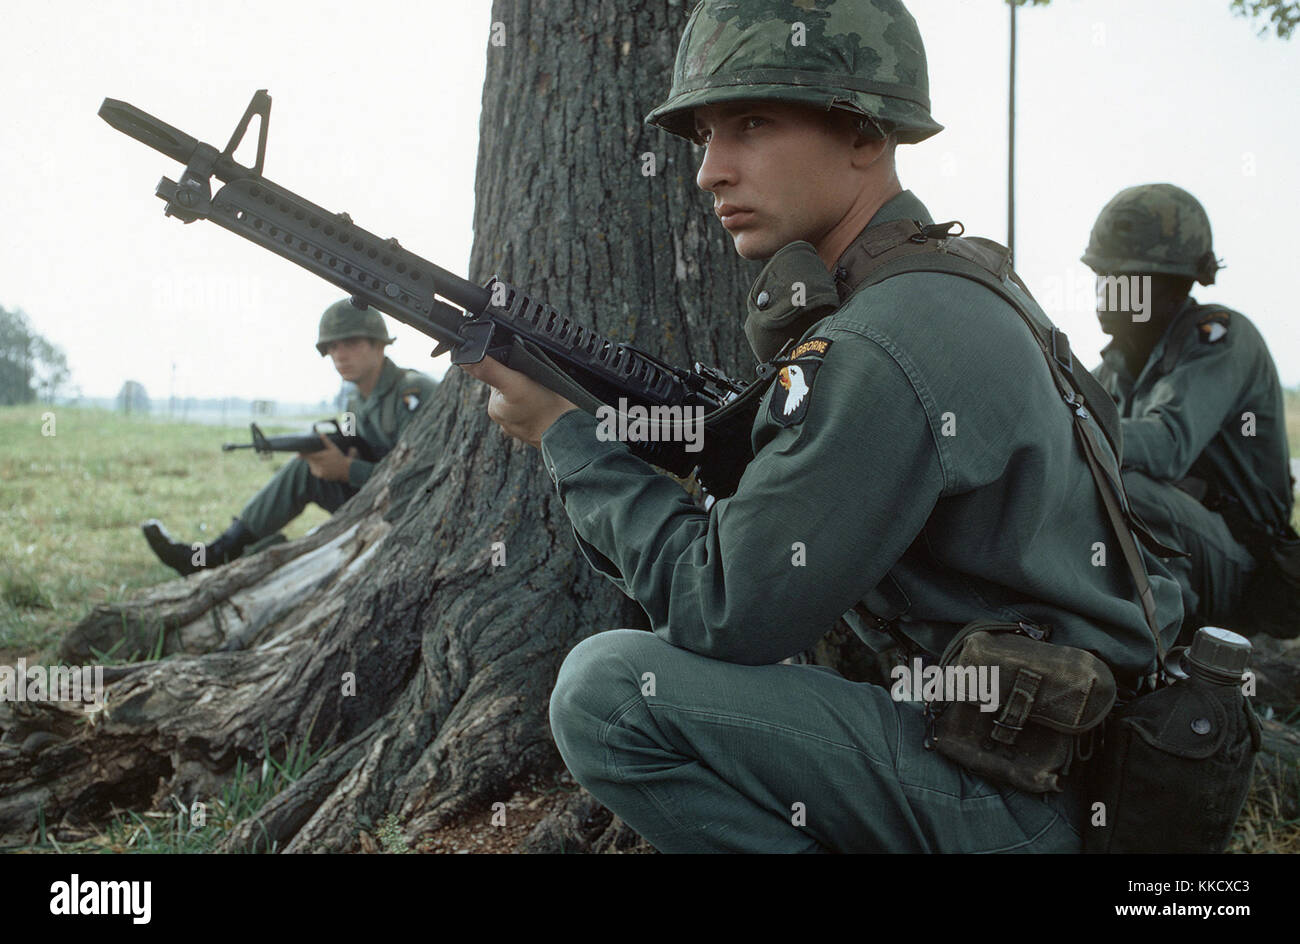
(71,505)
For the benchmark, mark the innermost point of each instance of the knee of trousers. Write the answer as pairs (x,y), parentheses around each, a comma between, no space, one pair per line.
(1150,498)
(298,472)
(595,680)
(294,478)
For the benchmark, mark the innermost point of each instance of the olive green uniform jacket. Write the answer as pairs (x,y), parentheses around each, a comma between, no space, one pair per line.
(921,460)
(1207,405)
(383,416)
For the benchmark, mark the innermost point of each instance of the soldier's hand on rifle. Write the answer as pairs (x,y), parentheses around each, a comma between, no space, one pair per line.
(329,464)
(521,406)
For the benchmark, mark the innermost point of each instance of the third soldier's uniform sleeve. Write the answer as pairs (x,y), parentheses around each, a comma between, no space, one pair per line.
(828,505)
(359,471)
(414,392)
(1185,409)
(411,392)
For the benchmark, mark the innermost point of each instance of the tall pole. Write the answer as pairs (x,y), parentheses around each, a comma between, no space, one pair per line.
(1011,142)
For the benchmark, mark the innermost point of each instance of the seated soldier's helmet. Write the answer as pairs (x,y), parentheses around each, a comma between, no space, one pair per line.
(861,56)
(1155,229)
(345,320)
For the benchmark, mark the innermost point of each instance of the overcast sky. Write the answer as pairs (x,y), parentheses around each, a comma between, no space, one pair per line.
(376,112)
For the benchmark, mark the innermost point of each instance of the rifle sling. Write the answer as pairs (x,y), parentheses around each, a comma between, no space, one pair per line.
(531,360)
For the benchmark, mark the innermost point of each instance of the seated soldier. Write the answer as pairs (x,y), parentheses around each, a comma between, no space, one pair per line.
(1205,462)
(386,399)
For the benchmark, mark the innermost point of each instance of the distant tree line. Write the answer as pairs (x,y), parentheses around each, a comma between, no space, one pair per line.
(31,367)
(133,398)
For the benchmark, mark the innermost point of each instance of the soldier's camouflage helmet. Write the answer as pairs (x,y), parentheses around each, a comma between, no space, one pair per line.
(862,56)
(1153,229)
(345,320)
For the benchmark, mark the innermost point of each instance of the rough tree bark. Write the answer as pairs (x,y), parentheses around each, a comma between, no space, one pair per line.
(453,658)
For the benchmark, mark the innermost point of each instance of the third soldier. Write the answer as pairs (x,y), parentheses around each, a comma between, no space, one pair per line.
(1204,430)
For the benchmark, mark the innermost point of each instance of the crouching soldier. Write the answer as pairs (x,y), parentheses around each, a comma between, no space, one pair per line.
(694,734)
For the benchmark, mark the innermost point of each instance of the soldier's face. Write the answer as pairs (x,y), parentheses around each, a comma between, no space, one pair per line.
(1124,303)
(356,358)
(777,172)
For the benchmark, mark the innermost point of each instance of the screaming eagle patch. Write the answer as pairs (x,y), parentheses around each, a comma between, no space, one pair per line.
(411,400)
(792,390)
(1213,328)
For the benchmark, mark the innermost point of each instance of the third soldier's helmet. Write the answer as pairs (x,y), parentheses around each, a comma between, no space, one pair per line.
(861,56)
(1156,229)
(345,320)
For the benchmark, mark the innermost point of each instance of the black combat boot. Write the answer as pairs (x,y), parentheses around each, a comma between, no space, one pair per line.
(180,557)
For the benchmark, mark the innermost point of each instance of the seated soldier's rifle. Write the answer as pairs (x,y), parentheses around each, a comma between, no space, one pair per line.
(264,445)
(496,319)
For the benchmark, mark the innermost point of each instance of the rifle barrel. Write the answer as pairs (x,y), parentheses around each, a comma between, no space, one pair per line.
(258,210)
(147,129)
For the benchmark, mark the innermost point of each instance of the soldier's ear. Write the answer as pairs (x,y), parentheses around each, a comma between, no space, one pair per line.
(870,149)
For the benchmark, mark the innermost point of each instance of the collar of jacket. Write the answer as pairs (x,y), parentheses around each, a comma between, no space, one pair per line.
(794,290)
(857,257)
(1113,358)
(387,380)
(1163,356)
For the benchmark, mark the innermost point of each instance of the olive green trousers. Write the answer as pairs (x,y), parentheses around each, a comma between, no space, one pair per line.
(283,498)
(699,755)
(1213,579)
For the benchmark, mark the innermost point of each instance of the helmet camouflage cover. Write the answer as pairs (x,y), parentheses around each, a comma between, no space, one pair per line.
(345,320)
(861,56)
(1156,229)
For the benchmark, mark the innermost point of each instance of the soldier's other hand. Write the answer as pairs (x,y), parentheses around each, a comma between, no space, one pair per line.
(521,406)
(329,464)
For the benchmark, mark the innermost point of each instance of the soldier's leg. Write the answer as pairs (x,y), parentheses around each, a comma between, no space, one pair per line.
(277,503)
(1214,577)
(776,758)
(284,497)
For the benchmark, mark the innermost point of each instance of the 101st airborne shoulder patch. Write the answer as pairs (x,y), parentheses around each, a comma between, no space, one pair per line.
(792,390)
(411,399)
(1213,328)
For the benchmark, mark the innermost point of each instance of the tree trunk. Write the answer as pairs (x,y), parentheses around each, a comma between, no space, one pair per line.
(452,656)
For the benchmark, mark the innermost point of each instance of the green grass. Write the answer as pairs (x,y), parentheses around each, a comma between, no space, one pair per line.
(71,505)
(390,836)
(183,829)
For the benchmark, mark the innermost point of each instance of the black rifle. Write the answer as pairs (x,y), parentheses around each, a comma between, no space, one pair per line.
(264,445)
(497,320)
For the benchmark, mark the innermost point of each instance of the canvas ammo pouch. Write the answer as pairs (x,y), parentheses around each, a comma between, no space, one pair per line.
(1050,700)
